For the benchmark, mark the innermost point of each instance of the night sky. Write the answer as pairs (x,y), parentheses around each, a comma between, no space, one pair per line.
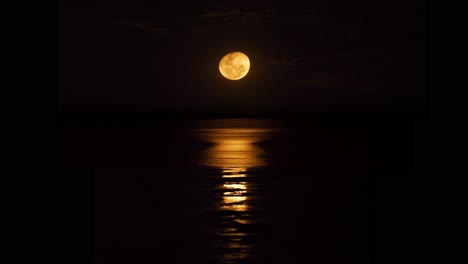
(326,55)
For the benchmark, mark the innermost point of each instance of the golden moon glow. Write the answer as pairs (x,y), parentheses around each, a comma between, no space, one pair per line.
(234,65)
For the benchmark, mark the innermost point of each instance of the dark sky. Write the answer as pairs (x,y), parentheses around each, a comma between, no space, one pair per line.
(327,54)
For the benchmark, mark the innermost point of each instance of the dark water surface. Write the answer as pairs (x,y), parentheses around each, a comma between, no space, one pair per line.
(234,190)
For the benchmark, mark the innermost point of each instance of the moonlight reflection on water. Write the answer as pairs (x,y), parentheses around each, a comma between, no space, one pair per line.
(233,152)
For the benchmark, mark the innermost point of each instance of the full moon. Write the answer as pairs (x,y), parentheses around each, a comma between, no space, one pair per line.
(234,65)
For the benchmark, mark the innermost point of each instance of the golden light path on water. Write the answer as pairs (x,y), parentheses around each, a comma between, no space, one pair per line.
(233,152)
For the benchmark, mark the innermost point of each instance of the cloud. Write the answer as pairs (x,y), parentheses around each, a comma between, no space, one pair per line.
(328,80)
(182,20)
(233,12)
(136,25)
(283,62)
(310,82)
